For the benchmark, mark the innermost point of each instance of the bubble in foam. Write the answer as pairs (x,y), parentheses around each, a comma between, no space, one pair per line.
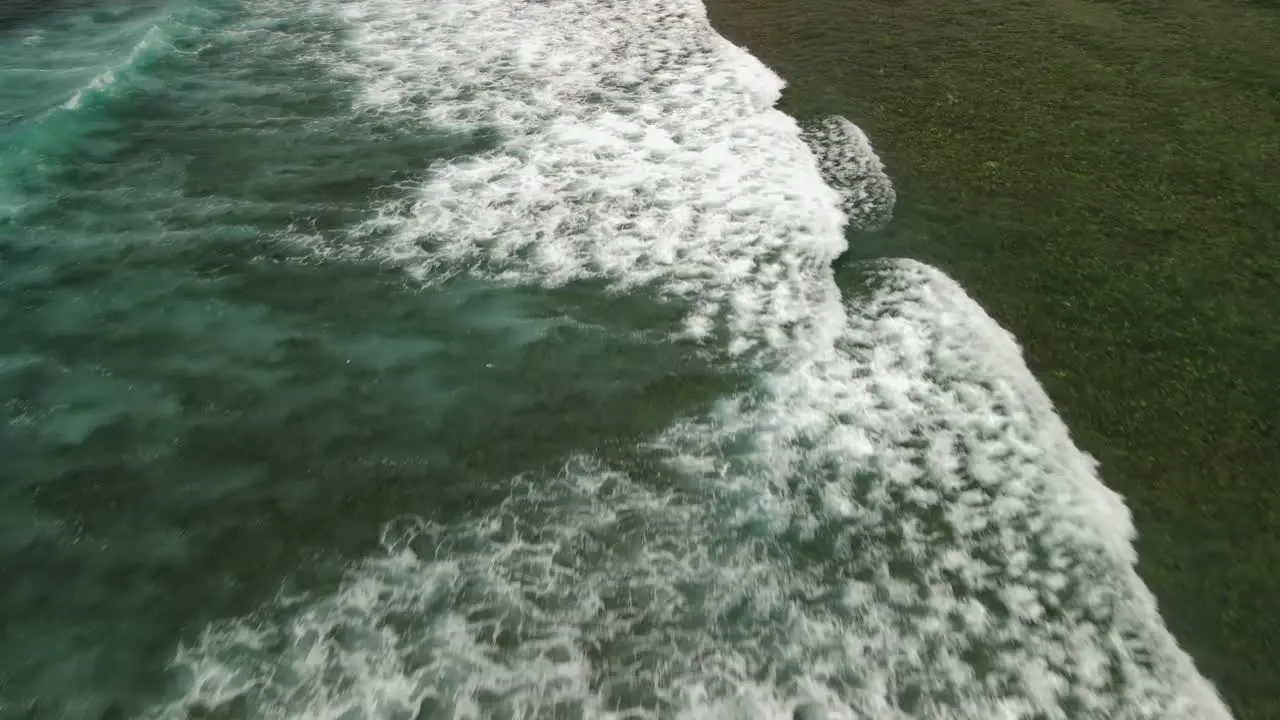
(851,166)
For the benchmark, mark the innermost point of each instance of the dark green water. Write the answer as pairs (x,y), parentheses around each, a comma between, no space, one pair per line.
(403,360)
(1100,176)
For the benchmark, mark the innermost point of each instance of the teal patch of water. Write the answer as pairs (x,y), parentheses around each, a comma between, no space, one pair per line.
(197,405)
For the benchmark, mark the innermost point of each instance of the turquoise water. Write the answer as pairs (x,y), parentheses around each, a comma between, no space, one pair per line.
(395,359)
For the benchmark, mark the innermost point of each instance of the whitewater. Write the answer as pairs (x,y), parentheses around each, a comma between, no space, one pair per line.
(885,519)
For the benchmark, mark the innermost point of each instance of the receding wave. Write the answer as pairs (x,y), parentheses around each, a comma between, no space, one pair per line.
(893,522)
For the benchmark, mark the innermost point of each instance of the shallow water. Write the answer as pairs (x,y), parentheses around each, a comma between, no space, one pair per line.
(388,359)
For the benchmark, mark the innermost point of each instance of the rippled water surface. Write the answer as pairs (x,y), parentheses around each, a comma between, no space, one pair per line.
(484,359)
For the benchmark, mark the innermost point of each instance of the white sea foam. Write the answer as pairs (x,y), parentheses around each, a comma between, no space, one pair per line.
(893,524)
(893,527)
(638,146)
(986,569)
(851,166)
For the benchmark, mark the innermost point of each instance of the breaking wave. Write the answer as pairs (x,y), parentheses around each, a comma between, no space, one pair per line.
(893,522)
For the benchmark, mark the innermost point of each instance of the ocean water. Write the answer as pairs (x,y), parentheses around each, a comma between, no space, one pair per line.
(417,359)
